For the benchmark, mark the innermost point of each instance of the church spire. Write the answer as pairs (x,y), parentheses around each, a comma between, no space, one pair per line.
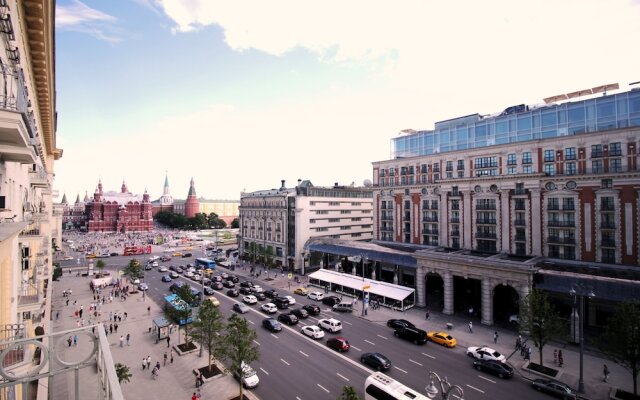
(165,191)
(64,199)
(192,189)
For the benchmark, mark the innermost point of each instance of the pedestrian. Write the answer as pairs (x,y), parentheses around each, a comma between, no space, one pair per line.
(154,373)
(426,314)
(158,365)
(555,356)
(201,377)
(125,316)
(70,340)
(197,380)
(560,360)
(523,349)
(121,341)
(470,326)
(110,328)
(75,340)
(149,362)
(57,315)
(149,310)
(168,341)
(529,351)
(495,337)
(171,356)
(115,327)
(518,343)
(110,316)
(144,363)
(128,337)
(170,329)
(194,396)
(165,359)
(605,373)
(67,301)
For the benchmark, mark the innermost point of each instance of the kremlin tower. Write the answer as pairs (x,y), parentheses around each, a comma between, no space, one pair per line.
(192,205)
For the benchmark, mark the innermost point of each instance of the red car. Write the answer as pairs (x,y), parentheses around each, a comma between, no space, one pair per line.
(339,343)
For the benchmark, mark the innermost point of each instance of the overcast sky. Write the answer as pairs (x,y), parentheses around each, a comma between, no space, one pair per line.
(241,94)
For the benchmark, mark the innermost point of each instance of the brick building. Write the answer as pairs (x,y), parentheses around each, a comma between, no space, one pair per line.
(118,211)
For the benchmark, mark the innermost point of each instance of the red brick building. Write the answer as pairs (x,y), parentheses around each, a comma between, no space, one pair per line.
(118,211)
(192,205)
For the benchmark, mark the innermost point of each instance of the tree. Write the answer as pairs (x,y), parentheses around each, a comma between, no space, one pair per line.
(133,270)
(100,265)
(57,271)
(238,346)
(268,257)
(253,251)
(235,224)
(184,292)
(207,328)
(621,340)
(122,371)
(539,319)
(349,393)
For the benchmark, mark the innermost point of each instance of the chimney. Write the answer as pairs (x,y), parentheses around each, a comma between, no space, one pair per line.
(299,181)
(335,184)
(283,187)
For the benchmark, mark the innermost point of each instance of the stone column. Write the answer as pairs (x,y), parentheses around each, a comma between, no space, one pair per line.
(395,275)
(524,291)
(443,221)
(505,212)
(421,293)
(467,227)
(536,222)
(447,279)
(487,302)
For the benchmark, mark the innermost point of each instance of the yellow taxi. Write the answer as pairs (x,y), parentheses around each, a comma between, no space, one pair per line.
(442,338)
(207,272)
(91,256)
(301,291)
(189,248)
(177,254)
(215,302)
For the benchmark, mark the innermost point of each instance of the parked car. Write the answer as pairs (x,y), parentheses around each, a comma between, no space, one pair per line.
(166,278)
(318,296)
(288,319)
(399,323)
(281,302)
(292,301)
(312,331)
(250,299)
(301,313)
(271,293)
(501,369)
(173,274)
(216,278)
(208,291)
(554,388)
(412,334)
(485,353)
(228,284)
(339,343)
(342,307)
(257,289)
(247,376)
(143,286)
(241,308)
(233,293)
(148,267)
(269,308)
(271,324)
(233,278)
(301,291)
(442,338)
(377,361)
(331,300)
(260,296)
(246,284)
(216,285)
(312,309)
(330,324)
(244,290)
(162,269)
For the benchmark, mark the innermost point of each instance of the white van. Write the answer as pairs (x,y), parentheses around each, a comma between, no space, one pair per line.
(331,325)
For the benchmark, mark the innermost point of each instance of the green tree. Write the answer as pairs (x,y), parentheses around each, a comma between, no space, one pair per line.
(238,345)
(122,371)
(207,328)
(133,270)
(57,271)
(349,393)
(184,292)
(253,251)
(621,340)
(100,265)
(235,224)
(268,257)
(539,319)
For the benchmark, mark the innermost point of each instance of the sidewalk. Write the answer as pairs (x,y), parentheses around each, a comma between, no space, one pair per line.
(176,381)
(595,388)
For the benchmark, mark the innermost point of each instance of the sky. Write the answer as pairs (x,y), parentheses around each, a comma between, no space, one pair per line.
(241,94)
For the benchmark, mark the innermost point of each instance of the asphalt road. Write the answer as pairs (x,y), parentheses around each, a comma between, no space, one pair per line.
(293,366)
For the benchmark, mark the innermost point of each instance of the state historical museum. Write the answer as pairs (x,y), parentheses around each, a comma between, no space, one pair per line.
(118,211)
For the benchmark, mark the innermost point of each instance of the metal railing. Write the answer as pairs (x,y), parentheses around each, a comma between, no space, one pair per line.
(561,240)
(28,293)
(33,229)
(607,225)
(567,224)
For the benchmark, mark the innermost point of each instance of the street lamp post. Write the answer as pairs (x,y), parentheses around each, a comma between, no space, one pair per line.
(363,259)
(446,388)
(579,291)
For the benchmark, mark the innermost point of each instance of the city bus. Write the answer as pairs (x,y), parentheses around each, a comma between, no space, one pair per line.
(206,263)
(379,386)
(136,250)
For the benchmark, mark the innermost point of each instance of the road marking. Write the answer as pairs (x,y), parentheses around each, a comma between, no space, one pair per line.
(284,361)
(343,377)
(275,336)
(354,347)
(323,388)
(415,362)
(427,355)
(385,338)
(298,398)
(156,288)
(486,379)
(263,370)
(371,343)
(400,369)
(303,353)
(251,322)
(347,322)
(313,318)
(475,388)
(256,342)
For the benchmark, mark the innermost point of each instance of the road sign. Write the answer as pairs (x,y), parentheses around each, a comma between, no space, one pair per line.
(367,286)
(290,275)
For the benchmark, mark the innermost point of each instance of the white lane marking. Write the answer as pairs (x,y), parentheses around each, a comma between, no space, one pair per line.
(251,322)
(298,398)
(275,336)
(400,369)
(343,377)
(256,342)
(486,379)
(354,347)
(415,362)
(323,388)
(385,338)
(156,288)
(263,370)
(427,355)
(315,319)
(371,343)
(284,361)
(475,388)
(347,322)
(303,353)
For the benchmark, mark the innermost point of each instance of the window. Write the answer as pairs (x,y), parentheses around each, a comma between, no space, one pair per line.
(596,151)
(609,256)
(511,159)
(527,169)
(615,165)
(334,203)
(344,212)
(486,162)
(615,150)
(454,191)
(570,153)
(449,165)
(334,219)
(460,174)
(449,175)
(460,164)
(520,188)
(436,167)
(606,183)
(596,167)
(511,170)
(549,169)
(549,156)
(321,229)
(570,168)
(526,157)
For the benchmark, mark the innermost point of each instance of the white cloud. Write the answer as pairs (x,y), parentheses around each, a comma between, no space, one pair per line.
(79,17)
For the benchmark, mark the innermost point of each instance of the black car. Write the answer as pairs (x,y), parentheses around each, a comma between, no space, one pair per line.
(245,290)
(415,335)
(301,313)
(554,388)
(208,291)
(502,370)
(312,309)
(216,285)
(260,296)
(331,300)
(246,284)
(399,323)
(233,293)
(233,278)
(281,302)
(228,284)
(288,319)
(376,360)
(187,255)
(172,268)
(114,254)
(180,270)
(271,324)
(271,293)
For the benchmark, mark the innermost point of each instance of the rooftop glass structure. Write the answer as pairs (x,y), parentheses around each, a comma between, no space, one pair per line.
(522,123)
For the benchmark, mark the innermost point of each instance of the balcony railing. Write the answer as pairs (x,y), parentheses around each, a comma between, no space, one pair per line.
(520,222)
(566,224)
(486,221)
(430,219)
(520,238)
(427,231)
(607,225)
(455,233)
(561,240)
(28,293)
(607,207)
(606,242)
(454,220)
(485,206)
(486,235)
(33,229)
(39,177)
